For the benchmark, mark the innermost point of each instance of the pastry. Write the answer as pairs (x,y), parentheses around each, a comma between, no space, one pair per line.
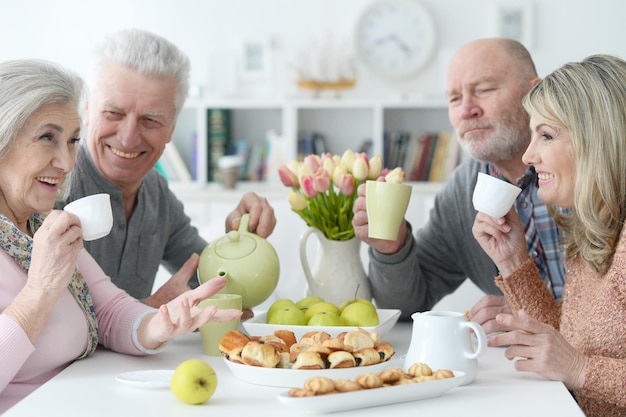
(260,354)
(231,345)
(366,357)
(391,376)
(369,380)
(314,338)
(308,360)
(385,351)
(357,340)
(443,374)
(319,385)
(300,392)
(420,369)
(341,359)
(286,336)
(346,385)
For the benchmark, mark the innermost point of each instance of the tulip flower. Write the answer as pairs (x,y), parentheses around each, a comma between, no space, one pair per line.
(347,159)
(346,185)
(287,177)
(376,166)
(395,176)
(307,186)
(360,168)
(324,188)
(321,181)
(297,201)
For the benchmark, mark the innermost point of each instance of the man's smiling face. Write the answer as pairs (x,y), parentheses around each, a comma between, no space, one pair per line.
(130,118)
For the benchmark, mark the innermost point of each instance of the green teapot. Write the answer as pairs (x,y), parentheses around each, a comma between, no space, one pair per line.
(248,261)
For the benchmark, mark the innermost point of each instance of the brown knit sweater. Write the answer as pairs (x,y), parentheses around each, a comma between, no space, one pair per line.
(591,317)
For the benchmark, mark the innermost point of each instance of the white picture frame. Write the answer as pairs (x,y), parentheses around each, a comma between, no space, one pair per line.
(254,59)
(514,21)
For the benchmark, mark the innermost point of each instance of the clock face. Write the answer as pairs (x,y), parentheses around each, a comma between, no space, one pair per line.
(395,38)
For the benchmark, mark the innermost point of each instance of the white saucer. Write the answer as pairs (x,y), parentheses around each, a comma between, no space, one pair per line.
(147,379)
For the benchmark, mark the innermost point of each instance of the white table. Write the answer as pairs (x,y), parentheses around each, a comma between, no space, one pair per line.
(88,388)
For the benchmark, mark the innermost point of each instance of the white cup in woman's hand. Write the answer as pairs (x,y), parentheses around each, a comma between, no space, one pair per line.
(494,196)
(94,212)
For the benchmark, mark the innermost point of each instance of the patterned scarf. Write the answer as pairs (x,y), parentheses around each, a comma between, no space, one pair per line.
(20,247)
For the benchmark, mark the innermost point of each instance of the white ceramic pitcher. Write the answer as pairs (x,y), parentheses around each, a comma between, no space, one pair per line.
(338,273)
(442,340)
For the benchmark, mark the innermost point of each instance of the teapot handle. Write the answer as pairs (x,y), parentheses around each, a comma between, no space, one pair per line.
(480,336)
(303,257)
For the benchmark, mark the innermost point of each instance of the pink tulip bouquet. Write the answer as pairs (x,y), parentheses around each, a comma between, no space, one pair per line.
(324,188)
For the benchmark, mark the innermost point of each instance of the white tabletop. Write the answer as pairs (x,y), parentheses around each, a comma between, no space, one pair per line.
(88,387)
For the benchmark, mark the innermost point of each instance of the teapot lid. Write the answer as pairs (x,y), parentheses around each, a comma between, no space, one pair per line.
(235,245)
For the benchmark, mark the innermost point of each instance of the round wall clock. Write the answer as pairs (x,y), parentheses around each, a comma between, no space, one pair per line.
(395,38)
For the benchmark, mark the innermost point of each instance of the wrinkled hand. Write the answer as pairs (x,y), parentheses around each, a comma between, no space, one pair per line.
(262,218)
(56,245)
(182,315)
(361,227)
(484,312)
(176,285)
(540,348)
(502,239)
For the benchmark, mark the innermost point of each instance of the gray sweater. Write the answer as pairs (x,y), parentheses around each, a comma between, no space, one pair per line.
(440,256)
(158,232)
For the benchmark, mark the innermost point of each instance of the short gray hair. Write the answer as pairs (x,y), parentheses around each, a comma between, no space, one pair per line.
(146,53)
(27,85)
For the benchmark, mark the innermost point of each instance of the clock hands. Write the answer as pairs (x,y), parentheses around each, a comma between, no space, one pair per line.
(393,38)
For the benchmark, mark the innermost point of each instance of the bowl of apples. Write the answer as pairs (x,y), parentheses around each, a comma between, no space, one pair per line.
(315,314)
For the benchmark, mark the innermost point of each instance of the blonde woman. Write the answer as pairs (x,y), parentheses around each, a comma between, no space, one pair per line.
(578,148)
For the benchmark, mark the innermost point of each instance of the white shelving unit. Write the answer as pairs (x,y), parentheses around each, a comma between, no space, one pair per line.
(345,123)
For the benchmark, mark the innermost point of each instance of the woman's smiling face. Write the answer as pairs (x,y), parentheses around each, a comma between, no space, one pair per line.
(551,153)
(41,156)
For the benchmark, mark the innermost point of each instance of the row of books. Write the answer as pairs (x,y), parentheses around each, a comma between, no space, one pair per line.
(424,156)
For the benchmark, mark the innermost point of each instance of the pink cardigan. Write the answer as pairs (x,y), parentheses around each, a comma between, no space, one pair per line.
(24,366)
(591,317)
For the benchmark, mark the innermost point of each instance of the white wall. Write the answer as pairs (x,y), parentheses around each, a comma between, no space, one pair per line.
(65,31)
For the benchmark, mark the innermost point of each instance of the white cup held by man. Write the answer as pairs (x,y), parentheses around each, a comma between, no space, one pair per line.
(494,196)
(94,212)
(442,340)
(386,205)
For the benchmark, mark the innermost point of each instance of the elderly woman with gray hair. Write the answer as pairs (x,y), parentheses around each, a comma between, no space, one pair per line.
(56,303)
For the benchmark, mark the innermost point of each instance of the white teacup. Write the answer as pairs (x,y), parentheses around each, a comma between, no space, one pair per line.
(386,204)
(494,196)
(94,212)
(442,340)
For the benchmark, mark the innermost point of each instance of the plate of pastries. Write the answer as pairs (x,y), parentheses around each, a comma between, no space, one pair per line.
(369,389)
(281,359)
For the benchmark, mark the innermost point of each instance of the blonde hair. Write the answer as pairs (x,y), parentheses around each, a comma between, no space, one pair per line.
(588,99)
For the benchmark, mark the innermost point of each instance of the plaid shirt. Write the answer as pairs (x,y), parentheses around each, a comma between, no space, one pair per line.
(542,234)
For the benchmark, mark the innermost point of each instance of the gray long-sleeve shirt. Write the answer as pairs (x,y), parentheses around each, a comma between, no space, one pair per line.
(442,254)
(159,231)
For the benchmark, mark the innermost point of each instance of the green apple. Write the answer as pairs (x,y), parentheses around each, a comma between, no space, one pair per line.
(290,316)
(277,305)
(306,302)
(193,382)
(325,318)
(324,306)
(361,314)
(354,300)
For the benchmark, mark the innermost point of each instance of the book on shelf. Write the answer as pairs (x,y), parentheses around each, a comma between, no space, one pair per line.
(171,164)
(423,156)
(311,143)
(218,139)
